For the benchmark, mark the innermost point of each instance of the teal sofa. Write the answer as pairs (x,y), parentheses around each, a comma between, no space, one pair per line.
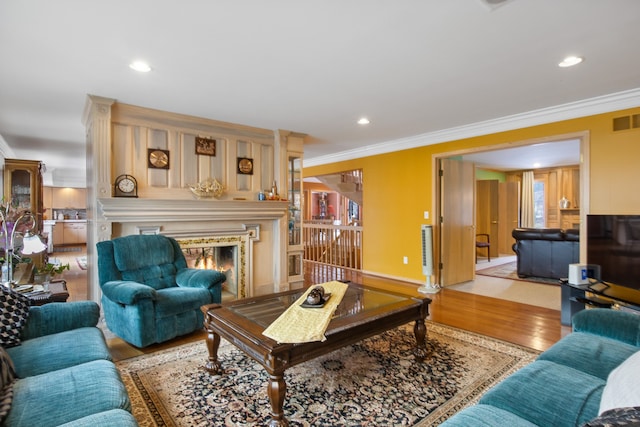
(566,384)
(148,293)
(65,375)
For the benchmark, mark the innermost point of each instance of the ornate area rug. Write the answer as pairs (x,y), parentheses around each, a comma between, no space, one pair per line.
(509,271)
(376,382)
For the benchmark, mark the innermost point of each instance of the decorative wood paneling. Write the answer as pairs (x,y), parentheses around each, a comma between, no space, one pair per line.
(137,129)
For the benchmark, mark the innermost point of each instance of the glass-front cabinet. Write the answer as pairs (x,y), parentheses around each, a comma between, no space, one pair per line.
(294,196)
(23,186)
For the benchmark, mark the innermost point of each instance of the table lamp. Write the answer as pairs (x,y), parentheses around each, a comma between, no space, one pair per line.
(31,243)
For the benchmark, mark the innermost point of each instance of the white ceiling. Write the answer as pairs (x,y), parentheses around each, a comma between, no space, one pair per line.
(418,69)
(548,154)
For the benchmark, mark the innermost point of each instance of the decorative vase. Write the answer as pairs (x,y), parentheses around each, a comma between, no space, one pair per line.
(564,203)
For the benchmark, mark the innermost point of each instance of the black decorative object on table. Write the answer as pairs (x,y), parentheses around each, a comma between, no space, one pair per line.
(316,298)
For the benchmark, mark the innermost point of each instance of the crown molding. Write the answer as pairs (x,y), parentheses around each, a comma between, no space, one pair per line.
(572,110)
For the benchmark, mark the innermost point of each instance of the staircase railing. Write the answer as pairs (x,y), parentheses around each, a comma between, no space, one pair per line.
(337,245)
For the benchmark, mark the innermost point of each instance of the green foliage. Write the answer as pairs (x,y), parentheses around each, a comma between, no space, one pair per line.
(53,269)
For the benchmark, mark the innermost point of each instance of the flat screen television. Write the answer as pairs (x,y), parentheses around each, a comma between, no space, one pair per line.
(613,243)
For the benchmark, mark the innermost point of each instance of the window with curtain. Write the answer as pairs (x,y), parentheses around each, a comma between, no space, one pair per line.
(539,205)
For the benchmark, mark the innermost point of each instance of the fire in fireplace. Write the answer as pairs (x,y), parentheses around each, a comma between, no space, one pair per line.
(221,258)
(225,254)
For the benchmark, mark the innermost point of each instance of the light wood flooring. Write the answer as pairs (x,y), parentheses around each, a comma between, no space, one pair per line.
(526,325)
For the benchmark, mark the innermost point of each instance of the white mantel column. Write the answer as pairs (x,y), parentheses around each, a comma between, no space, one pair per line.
(97,122)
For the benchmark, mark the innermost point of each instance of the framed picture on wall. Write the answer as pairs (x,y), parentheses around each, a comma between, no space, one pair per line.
(205,146)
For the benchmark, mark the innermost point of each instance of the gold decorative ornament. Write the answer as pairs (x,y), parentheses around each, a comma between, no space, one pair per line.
(158,159)
(245,166)
(210,187)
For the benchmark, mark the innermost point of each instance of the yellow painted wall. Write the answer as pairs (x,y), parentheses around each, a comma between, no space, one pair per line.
(398,186)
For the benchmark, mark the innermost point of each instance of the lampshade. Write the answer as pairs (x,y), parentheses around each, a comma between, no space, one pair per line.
(31,244)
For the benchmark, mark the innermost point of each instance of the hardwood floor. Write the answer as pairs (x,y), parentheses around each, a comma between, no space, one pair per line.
(75,277)
(522,324)
(527,325)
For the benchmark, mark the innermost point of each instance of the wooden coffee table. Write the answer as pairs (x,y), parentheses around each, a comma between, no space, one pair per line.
(363,312)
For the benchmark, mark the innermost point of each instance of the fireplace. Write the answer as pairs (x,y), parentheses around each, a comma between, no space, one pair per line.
(226,254)
(256,231)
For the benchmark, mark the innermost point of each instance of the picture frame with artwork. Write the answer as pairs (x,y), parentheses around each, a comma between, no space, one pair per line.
(205,146)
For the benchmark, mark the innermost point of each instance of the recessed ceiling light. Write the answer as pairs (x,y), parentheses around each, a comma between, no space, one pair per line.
(140,66)
(536,165)
(363,121)
(570,61)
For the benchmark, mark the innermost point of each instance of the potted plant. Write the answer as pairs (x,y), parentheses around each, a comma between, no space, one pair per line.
(49,271)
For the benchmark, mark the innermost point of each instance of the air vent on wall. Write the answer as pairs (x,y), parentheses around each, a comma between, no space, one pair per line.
(626,122)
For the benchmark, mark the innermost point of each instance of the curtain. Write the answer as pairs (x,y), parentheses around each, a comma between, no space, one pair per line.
(526,209)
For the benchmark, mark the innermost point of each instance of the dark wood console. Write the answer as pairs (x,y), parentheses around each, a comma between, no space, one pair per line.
(596,294)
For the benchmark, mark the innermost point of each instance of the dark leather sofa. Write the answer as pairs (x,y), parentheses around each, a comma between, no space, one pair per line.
(546,252)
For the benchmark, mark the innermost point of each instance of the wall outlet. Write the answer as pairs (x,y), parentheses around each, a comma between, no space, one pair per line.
(426,214)
(405,260)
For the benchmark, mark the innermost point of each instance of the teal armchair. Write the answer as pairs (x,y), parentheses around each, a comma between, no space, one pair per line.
(148,293)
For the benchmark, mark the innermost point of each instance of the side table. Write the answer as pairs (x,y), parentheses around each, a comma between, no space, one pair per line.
(57,293)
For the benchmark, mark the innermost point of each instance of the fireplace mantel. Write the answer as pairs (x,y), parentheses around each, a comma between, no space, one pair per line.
(136,210)
(260,225)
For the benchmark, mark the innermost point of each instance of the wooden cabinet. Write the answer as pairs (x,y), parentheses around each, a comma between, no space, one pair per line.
(69,233)
(58,234)
(569,187)
(23,186)
(74,233)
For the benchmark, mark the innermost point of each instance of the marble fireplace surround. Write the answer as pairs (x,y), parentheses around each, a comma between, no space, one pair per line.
(259,227)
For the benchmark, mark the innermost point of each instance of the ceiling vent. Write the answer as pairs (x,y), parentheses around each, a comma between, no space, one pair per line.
(494,4)
(626,122)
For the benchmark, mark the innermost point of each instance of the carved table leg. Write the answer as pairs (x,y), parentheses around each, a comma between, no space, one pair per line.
(213,365)
(277,390)
(420,332)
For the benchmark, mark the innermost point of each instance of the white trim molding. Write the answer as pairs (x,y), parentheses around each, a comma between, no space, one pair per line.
(572,110)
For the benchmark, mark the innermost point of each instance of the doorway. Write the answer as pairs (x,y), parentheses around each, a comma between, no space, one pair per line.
(443,249)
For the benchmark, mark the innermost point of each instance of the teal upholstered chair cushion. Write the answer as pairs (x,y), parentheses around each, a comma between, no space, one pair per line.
(597,357)
(62,350)
(155,261)
(67,394)
(615,324)
(565,385)
(110,418)
(148,293)
(548,394)
(58,317)
(486,416)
